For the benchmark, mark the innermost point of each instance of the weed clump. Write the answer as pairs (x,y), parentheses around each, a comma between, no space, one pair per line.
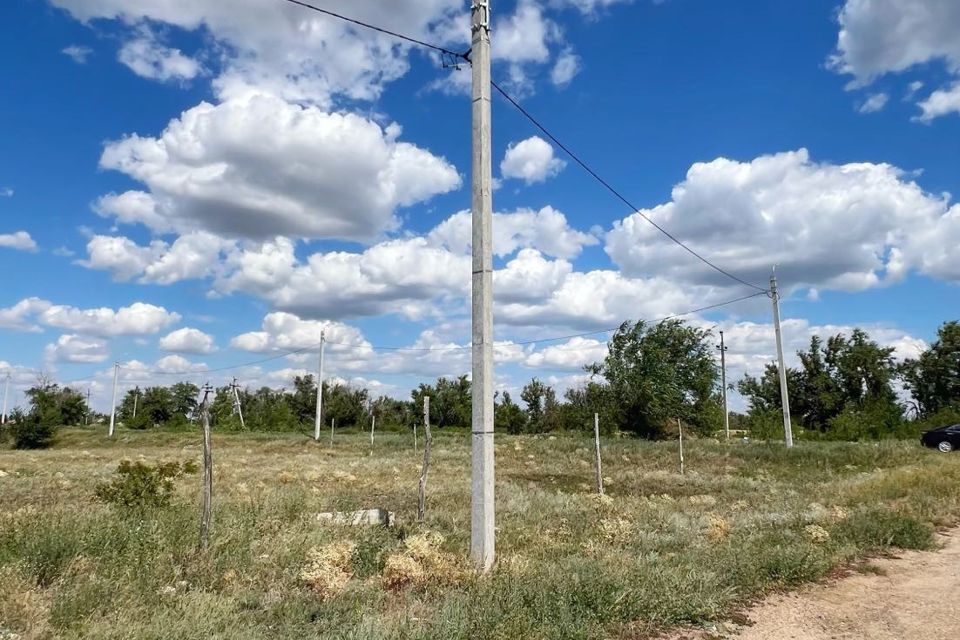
(420,563)
(717,528)
(816,534)
(329,569)
(137,485)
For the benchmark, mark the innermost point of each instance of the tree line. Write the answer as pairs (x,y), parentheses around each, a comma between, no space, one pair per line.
(846,387)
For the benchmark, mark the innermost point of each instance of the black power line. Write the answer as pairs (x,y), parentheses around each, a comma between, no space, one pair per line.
(616,193)
(394,34)
(541,127)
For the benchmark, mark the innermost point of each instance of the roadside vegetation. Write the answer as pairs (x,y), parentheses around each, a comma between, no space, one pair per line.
(87,552)
(99,537)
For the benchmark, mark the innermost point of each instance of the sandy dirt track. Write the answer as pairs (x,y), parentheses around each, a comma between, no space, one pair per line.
(914,598)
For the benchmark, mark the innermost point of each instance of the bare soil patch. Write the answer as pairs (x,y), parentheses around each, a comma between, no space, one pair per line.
(909,596)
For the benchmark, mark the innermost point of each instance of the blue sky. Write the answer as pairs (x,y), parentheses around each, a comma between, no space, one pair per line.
(188,186)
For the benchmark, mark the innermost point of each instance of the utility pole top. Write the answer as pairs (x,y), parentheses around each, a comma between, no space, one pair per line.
(781,365)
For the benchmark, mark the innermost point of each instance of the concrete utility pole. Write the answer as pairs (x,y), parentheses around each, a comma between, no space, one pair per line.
(723,380)
(236,402)
(784,393)
(482,518)
(6,394)
(316,423)
(136,398)
(373,426)
(113,406)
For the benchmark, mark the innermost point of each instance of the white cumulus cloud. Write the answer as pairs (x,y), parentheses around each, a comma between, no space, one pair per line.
(135,320)
(261,166)
(848,227)
(531,160)
(188,340)
(20,240)
(146,56)
(77,349)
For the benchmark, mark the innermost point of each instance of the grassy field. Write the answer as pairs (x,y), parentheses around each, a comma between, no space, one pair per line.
(663,550)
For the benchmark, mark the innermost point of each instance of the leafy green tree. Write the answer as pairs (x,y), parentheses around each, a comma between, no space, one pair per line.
(659,373)
(849,377)
(158,405)
(576,414)
(186,399)
(347,405)
(933,379)
(450,401)
(507,415)
(393,413)
(73,408)
(268,410)
(303,401)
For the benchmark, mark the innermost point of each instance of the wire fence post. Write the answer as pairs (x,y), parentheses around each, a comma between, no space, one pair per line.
(427,442)
(596,439)
(333,426)
(680,427)
(207,508)
(373,426)
(414,437)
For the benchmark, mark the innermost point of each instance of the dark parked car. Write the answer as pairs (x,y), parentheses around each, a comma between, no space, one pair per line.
(946,439)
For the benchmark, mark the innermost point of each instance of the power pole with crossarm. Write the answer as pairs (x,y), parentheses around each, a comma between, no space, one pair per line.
(482,518)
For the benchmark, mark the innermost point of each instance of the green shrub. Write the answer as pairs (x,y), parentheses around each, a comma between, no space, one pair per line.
(878,528)
(873,420)
(31,431)
(765,425)
(139,486)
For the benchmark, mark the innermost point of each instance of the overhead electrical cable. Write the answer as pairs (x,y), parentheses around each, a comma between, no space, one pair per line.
(359,23)
(516,103)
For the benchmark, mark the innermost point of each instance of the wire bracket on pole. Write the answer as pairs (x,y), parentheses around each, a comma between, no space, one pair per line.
(452,61)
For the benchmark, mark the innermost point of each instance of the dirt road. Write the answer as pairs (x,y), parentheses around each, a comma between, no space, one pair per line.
(913,598)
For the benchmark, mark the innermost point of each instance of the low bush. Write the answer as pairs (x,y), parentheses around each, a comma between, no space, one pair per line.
(138,486)
(32,430)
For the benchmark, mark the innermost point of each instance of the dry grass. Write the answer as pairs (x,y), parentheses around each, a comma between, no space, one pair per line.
(659,550)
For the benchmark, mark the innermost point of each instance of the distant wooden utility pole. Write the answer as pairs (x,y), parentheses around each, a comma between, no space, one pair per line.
(482,512)
(316,424)
(596,439)
(427,442)
(113,406)
(784,392)
(723,373)
(207,508)
(136,398)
